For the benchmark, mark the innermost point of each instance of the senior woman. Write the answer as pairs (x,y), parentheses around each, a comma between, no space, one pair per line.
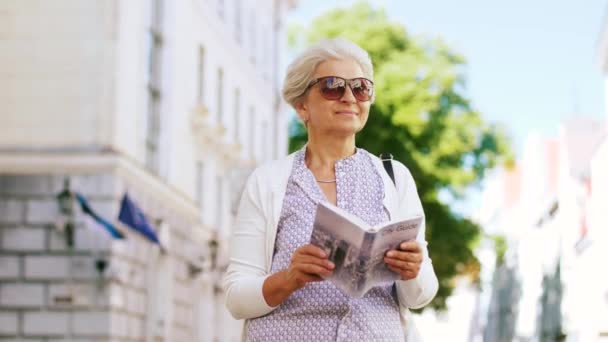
(274,279)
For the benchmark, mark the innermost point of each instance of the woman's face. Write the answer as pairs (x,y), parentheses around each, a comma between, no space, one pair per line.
(343,117)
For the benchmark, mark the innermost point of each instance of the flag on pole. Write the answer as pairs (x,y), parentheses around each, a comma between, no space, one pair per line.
(132,216)
(86,208)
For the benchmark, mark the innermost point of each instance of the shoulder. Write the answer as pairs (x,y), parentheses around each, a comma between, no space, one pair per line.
(403,176)
(398,167)
(401,170)
(271,172)
(375,160)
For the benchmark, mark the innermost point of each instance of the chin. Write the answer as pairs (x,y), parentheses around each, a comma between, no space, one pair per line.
(346,130)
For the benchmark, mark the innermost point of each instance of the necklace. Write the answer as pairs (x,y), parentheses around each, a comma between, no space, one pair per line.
(326,180)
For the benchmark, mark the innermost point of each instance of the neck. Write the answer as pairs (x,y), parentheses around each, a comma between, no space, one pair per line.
(323,152)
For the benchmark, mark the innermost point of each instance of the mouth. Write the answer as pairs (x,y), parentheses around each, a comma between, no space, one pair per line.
(346,112)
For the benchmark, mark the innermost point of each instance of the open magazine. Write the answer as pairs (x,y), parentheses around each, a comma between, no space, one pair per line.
(358,249)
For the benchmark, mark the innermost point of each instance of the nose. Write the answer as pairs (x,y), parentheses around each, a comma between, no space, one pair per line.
(348,96)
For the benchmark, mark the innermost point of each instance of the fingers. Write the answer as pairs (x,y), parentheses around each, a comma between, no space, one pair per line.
(308,264)
(307,259)
(403,265)
(311,250)
(405,275)
(309,254)
(406,261)
(300,273)
(296,276)
(312,269)
(405,256)
(410,246)
(312,264)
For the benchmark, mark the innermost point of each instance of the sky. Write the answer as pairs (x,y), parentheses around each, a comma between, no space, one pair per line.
(531,64)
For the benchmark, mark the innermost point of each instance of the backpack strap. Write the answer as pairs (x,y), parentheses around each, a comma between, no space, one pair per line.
(387,161)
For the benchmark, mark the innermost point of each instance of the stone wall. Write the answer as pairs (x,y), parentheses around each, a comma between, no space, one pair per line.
(50,292)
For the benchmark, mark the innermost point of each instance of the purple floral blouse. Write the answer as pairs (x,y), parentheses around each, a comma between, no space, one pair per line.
(320,311)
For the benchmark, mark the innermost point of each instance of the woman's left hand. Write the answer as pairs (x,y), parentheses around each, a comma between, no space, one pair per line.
(406,260)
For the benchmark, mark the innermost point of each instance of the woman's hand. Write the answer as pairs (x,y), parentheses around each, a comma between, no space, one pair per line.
(308,264)
(406,261)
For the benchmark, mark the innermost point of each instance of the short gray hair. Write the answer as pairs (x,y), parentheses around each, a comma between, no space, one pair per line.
(300,71)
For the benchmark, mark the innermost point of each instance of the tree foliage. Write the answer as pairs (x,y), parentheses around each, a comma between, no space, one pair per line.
(423,117)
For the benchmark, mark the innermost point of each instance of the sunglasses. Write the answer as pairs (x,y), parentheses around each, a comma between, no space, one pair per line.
(334,87)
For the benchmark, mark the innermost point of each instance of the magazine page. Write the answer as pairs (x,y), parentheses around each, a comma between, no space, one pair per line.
(387,238)
(342,239)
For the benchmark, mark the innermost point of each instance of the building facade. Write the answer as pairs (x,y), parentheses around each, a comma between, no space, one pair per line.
(543,211)
(172,102)
(596,200)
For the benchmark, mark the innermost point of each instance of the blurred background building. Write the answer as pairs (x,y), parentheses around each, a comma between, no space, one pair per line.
(548,287)
(548,214)
(172,102)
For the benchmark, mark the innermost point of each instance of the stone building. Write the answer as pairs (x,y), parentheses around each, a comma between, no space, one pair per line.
(172,102)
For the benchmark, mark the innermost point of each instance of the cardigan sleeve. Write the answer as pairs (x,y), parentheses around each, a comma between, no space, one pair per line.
(246,271)
(418,292)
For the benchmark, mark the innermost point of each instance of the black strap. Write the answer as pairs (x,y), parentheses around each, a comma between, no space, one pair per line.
(387,161)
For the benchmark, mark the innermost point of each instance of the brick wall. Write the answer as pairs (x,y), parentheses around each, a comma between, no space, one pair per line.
(39,273)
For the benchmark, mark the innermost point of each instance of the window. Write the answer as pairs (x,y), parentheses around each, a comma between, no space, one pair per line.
(201,75)
(275,138)
(160,270)
(265,136)
(153,115)
(220,8)
(238,26)
(200,181)
(156,9)
(220,202)
(204,310)
(252,135)
(252,32)
(264,53)
(220,95)
(153,133)
(237,109)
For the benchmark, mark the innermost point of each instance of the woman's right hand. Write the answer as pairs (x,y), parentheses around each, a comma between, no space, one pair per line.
(308,264)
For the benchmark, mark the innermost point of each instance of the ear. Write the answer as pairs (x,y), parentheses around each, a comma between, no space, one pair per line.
(302,110)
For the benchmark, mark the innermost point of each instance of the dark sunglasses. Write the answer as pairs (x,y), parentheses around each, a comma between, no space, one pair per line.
(334,87)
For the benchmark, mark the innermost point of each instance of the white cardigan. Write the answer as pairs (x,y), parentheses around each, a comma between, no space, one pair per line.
(255,229)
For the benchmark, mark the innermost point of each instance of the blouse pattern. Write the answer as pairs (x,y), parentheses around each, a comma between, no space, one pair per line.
(320,311)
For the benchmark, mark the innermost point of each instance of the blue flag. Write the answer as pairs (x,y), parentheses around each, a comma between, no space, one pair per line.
(133,217)
(86,208)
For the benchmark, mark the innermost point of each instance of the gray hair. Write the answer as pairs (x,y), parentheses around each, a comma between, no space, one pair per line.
(300,71)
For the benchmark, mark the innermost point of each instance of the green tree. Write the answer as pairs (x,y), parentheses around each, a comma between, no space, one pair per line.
(423,117)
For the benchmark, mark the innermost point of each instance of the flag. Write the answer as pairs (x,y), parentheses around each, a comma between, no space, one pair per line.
(86,208)
(133,217)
